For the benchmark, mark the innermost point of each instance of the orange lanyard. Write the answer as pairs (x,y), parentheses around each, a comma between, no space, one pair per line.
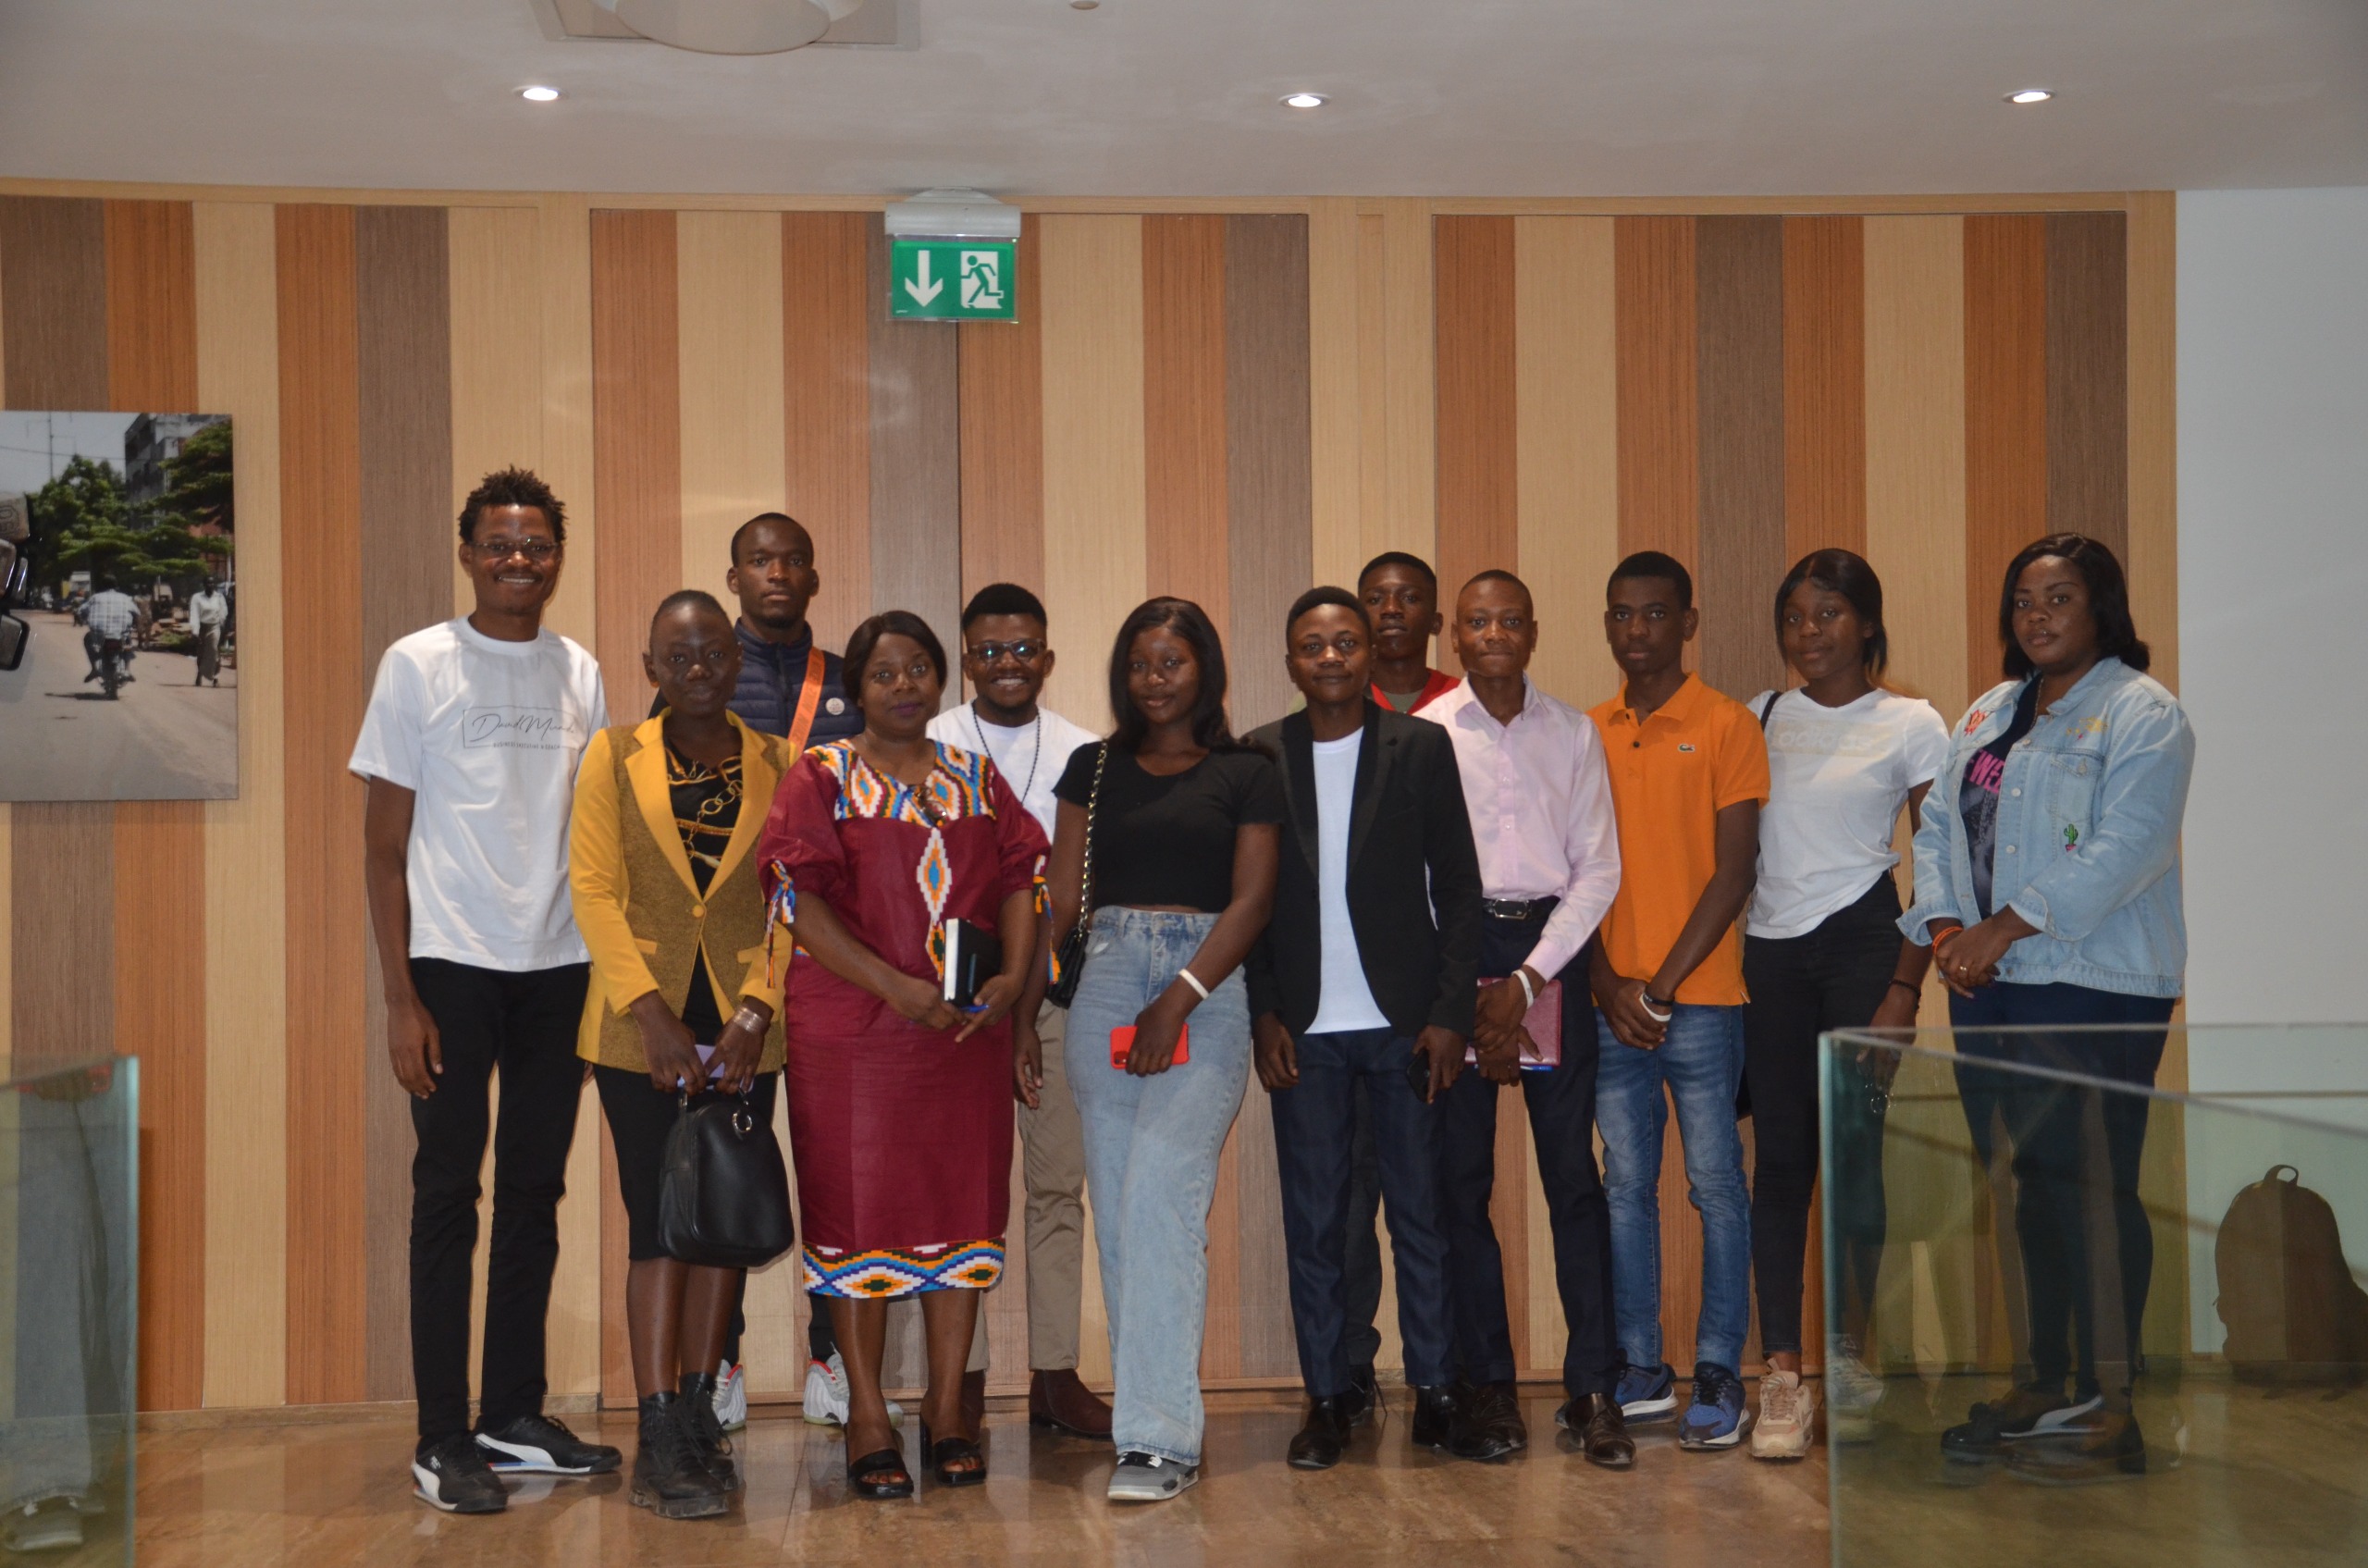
(808,700)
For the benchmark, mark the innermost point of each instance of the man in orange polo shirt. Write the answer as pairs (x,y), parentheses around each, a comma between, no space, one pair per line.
(1689,774)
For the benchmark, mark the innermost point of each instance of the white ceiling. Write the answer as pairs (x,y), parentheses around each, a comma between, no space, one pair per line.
(1478,97)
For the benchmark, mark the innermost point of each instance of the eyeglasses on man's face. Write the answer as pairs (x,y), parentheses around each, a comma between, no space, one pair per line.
(498,550)
(1025,651)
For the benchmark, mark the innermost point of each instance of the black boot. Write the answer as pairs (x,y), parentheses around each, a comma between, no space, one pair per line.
(669,1477)
(1319,1443)
(1434,1417)
(696,1406)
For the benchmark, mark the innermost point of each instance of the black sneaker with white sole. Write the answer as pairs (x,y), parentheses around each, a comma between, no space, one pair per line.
(451,1475)
(536,1445)
(1146,1477)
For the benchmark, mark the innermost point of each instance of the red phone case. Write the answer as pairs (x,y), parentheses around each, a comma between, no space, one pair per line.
(1122,1040)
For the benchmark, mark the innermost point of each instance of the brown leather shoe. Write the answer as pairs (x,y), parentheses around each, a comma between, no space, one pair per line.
(1060,1400)
(974,1399)
(1603,1437)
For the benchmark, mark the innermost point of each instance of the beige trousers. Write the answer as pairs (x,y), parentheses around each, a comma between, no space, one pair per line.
(1052,1166)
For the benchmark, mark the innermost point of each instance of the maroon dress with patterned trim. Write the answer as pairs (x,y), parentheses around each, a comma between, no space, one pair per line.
(901,1136)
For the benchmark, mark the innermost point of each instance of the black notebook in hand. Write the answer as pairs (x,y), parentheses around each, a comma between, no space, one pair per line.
(973,956)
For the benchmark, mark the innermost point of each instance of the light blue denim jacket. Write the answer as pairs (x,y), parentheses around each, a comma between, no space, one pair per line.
(2089,813)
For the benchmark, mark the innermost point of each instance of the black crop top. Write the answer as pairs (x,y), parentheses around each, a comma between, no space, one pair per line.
(1170,840)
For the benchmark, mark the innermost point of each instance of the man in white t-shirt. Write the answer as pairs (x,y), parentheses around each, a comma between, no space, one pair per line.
(469,747)
(1006,658)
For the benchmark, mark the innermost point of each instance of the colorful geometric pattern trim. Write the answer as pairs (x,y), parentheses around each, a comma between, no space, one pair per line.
(956,787)
(883,1273)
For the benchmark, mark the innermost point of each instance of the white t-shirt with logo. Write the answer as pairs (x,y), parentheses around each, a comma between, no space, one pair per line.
(1344,1002)
(1031,758)
(486,734)
(1837,779)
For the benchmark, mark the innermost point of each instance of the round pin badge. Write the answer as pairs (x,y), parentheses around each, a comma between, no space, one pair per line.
(836,707)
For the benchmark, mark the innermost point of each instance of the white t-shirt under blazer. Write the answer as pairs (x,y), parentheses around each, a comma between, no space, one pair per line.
(1837,780)
(486,734)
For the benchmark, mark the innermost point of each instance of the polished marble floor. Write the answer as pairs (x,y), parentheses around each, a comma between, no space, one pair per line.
(340,1494)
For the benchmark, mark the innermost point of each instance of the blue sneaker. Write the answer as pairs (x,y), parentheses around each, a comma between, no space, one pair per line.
(1717,1418)
(1646,1393)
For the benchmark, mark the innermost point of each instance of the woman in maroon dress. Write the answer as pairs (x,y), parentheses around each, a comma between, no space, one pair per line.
(899,1105)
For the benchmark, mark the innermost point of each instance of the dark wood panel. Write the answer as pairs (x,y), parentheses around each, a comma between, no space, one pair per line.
(53,301)
(916,524)
(1269,483)
(320,479)
(2005,415)
(1185,525)
(1740,357)
(2088,377)
(1476,457)
(404,399)
(1652,262)
(1003,437)
(1825,385)
(826,369)
(636,443)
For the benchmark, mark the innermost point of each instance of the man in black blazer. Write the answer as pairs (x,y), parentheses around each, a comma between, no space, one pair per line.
(1365,982)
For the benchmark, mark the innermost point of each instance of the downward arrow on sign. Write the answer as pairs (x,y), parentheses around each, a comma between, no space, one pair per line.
(920,287)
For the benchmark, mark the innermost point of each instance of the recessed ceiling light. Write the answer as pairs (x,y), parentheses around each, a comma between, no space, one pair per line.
(539,94)
(2029,95)
(1303,100)
(1085,4)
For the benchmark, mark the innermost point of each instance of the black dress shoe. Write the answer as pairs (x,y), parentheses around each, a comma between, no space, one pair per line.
(1603,1437)
(1363,1401)
(1319,1443)
(1434,1418)
(1488,1427)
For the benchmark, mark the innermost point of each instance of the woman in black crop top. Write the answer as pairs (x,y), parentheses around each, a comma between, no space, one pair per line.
(1184,845)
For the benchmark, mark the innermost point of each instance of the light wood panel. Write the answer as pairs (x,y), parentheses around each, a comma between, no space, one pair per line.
(1336,475)
(1741,463)
(638,454)
(826,407)
(562,253)
(494,415)
(1409,487)
(1001,369)
(733,457)
(1476,459)
(2006,412)
(1653,270)
(244,1310)
(916,466)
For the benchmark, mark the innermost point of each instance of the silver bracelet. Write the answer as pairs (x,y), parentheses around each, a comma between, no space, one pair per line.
(1188,978)
(1528,992)
(758,1023)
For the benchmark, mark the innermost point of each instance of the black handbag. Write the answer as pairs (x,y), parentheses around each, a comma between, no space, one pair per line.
(724,1192)
(1068,959)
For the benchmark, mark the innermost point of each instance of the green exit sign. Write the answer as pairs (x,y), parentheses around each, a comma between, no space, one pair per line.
(952,279)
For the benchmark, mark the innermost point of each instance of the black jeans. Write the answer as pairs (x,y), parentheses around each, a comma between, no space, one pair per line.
(2088,1249)
(1361,1264)
(525,1024)
(1831,976)
(1315,1131)
(1561,1124)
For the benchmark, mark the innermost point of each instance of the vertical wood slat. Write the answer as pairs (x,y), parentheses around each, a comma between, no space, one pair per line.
(1476,459)
(2151,244)
(1409,489)
(1660,482)
(1825,385)
(1002,409)
(826,407)
(916,524)
(151,274)
(729,311)
(1740,355)
(403,398)
(2088,377)
(321,493)
(2005,414)
(1184,411)
(1334,415)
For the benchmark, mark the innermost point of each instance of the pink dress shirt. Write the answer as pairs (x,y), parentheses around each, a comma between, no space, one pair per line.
(1540,798)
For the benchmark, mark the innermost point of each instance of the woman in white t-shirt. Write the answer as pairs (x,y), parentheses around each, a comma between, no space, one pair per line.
(1822,951)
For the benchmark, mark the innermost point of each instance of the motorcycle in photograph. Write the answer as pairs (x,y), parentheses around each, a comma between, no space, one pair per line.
(111,666)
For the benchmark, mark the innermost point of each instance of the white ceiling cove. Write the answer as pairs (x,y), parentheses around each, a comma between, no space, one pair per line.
(1179,97)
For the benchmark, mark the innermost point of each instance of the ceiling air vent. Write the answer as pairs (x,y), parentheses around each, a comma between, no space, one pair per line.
(728,27)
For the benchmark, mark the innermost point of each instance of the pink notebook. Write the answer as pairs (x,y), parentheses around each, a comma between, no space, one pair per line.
(1543,1021)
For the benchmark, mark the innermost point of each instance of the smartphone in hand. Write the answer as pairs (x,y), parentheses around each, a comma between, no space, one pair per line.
(1122,1042)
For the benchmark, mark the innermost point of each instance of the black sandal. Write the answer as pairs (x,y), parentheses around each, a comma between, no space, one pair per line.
(948,1451)
(868,1475)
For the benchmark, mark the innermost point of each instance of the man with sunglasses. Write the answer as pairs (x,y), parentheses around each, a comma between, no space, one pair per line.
(1007,659)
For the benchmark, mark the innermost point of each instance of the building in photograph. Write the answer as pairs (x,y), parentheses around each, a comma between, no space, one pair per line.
(149,444)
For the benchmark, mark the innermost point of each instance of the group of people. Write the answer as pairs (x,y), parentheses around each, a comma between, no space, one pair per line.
(1411,893)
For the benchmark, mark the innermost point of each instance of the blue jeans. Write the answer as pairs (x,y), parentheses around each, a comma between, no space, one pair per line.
(1316,1126)
(1701,1060)
(1151,1168)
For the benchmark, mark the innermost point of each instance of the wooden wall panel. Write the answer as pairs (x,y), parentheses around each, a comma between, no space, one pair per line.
(1825,385)
(2088,377)
(1184,411)
(245,905)
(492,406)
(160,970)
(53,301)
(1659,481)
(1335,419)
(734,454)
(1002,370)
(324,694)
(1409,491)
(1476,463)
(1269,481)
(827,304)
(637,451)
(916,467)
(2151,247)
(2005,414)
(1740,375)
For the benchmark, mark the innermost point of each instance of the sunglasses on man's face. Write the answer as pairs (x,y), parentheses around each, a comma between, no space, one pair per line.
(992,652)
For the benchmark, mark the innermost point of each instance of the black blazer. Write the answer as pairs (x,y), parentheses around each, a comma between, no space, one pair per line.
(1414,880)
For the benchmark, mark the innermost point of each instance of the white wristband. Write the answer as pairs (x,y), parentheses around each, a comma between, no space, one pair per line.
(1644,1000)
(1528,991)
(1188,978)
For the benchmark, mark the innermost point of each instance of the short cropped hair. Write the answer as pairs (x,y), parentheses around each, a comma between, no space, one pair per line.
(781,517)
(1496,575)
(513,486)
(1005,599)
(1317,598)
(900,623)
(2108,602)
(1400,558)
(696,598)
(1652,563)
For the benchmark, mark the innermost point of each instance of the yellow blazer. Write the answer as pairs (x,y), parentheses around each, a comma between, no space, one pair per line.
(638,905)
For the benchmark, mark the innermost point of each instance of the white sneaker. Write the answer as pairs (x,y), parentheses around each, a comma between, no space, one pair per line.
(1144,1477)
(731,1396)
(1853,1392)
(826,1395)
(1787,1416)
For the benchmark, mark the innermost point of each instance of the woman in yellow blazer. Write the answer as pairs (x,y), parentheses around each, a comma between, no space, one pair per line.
(661,864)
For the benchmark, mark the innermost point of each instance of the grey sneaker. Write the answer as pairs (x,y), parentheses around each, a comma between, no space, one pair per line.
(52,1525)
(1144,1477)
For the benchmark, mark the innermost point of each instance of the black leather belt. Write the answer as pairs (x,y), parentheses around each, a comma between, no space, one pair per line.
(1518,908)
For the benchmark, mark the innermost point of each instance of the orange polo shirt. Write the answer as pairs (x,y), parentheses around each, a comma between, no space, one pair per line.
(1698,753)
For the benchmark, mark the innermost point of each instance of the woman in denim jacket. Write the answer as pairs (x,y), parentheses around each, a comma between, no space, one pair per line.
(2047,879)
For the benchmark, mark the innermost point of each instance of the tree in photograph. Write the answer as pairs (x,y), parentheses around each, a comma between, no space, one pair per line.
(81,522)
(198,480)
